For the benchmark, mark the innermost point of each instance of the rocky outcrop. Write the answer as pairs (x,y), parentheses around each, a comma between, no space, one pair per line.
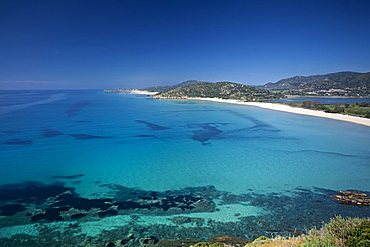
(353,198)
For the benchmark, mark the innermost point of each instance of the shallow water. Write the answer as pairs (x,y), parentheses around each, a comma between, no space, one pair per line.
(132,164)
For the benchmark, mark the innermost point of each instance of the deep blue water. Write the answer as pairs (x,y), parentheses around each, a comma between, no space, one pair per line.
(161,159)
(326,100)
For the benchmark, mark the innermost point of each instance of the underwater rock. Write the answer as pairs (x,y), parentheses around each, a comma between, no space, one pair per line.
(353,198)
(68,177)
(77,216)
(152,125)
(10,131)
(145,136)
(80,203)
(82,121)
(204,206)
(110,244)
(151,240)
(206,133)
(18,142)
(127,205)
(110,212)
(11,209)
(50,214)
(30,192)
(130,237)
(51,133)
(88,137)
(180,220)
(75,108)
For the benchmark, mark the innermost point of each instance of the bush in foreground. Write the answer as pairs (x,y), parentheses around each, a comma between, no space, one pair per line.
(339,232)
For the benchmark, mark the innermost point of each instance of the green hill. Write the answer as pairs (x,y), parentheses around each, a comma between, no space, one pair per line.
(224,90)
(165,88)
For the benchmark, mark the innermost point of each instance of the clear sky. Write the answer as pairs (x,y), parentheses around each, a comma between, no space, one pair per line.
(108,44)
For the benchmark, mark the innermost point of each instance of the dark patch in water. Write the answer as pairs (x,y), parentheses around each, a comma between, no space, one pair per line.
(260,131)
(18,142)
(145,136)
(205,133)
(30,192)
(10,132)
(252,119)
(68,177)
(130,205)
(88,137)
(51,133)
(77,216)
(263,127)
(11,209)
(72,200)
(74,109)
(323,152)
(83,121)
(50,214)
(152,125)
(285,214)
(76,182)
(161,202)
(110,212)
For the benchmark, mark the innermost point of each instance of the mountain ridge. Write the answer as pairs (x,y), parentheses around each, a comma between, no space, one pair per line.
(345,82)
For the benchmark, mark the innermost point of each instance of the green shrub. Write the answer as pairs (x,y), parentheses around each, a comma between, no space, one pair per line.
(340,232)
(360,236)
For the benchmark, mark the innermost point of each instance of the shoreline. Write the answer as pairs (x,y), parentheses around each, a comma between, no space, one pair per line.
(289,109)
(131,91)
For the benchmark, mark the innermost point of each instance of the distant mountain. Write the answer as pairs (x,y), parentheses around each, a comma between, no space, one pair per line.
(341,83)
(224,90)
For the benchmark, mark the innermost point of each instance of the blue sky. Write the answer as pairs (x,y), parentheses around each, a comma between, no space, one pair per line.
(108,44)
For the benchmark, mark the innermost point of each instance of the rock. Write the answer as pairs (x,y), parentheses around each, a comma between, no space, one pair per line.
(203,206)
(126,240)
(353,198)
(151,240)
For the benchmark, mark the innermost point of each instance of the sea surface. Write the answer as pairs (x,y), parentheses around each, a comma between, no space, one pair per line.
(83,167)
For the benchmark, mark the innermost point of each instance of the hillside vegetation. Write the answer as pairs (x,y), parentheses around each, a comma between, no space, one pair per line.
(224,90)
(358,109)
(339,232)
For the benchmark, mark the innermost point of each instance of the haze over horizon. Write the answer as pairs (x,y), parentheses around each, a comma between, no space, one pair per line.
(108,44)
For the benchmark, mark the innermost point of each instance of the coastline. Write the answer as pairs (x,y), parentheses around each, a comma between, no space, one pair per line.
(286,108)
(131,91)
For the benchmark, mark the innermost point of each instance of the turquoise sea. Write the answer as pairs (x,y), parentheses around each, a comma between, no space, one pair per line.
(92,166)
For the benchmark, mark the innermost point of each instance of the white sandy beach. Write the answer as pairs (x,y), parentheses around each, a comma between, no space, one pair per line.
(136,91)
(286,108)
(130,91)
